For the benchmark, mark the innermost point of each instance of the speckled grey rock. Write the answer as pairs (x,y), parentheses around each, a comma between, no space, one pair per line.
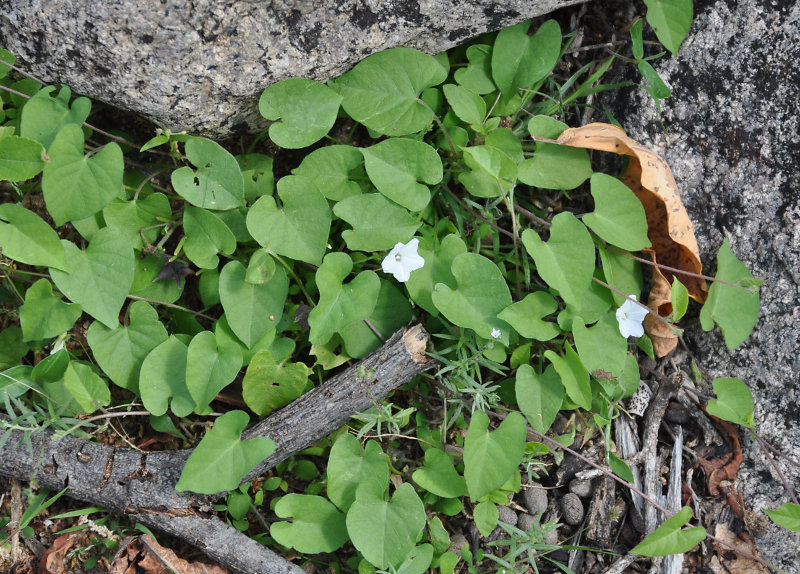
(731,133)
(201,65)
(507,515)
(535,499)
(525,521)
(572,510)
(581,487)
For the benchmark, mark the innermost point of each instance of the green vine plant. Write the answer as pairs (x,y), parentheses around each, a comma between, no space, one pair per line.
(422,194)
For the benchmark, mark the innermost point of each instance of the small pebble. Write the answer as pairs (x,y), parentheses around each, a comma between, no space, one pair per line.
(535,499)
(581,487)
(525,522)
(572,509)
(507,515)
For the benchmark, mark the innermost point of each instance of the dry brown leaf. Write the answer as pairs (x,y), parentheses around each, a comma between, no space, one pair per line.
(725,561)
(149,556)
(669,229)
(53,559)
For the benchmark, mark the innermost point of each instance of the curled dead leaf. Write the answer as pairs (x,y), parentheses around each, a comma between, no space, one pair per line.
(669,228)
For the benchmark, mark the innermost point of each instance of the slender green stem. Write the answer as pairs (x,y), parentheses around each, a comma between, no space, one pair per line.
(171,306)
(532,216)
(294,275)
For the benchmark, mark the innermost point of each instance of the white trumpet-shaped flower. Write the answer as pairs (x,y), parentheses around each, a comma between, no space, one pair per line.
(630,316)
(402,260)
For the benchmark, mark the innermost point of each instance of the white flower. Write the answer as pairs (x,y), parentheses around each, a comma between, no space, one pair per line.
(496,333)
(402,260)
(630,317)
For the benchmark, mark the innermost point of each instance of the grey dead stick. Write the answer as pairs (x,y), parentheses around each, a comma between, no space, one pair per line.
(141,485)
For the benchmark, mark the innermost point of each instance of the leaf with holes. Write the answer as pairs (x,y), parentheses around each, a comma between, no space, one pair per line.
(341,304)
(76,186)
(121,351)
(383,90)
(28,239)
(401,167)
(223,450)
(490,458)
(299,227)
(100,276)
(307,111)
(251,310)
(269,384)
(216,181)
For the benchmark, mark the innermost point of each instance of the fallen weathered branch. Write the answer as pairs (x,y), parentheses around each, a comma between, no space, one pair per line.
(142,485)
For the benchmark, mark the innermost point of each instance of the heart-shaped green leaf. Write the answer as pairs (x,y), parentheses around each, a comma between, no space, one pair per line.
(378,223)
(573,375)
(206,235)
(215,183)
(554,166)
(336,170)
(669,538)
(733,308)
(349,466)
(44,115)
(467,105)
(52,367)
(299,228)
(481,293)
(269,384)
(86,387)
(391,312)
(163,377)
(210,368)
(121,351)
(566,261)
(223,450)
(20,158)
(477,75)
(100,276)
(28,239)
(527,316)
(382,91)
(519,60)
(251,310)
(539,396)
(260,268)
(308,110)
(385,532)
(438,261)
(621,272)
(439,475)
(76,186)
(788,516)
(316,526)
(137,214)
(491,458)
(400,168)
(492,173)
(44,315)
(486,516)
(618,216)
(671,20)
(601,347)
(734,402)
(339,304)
